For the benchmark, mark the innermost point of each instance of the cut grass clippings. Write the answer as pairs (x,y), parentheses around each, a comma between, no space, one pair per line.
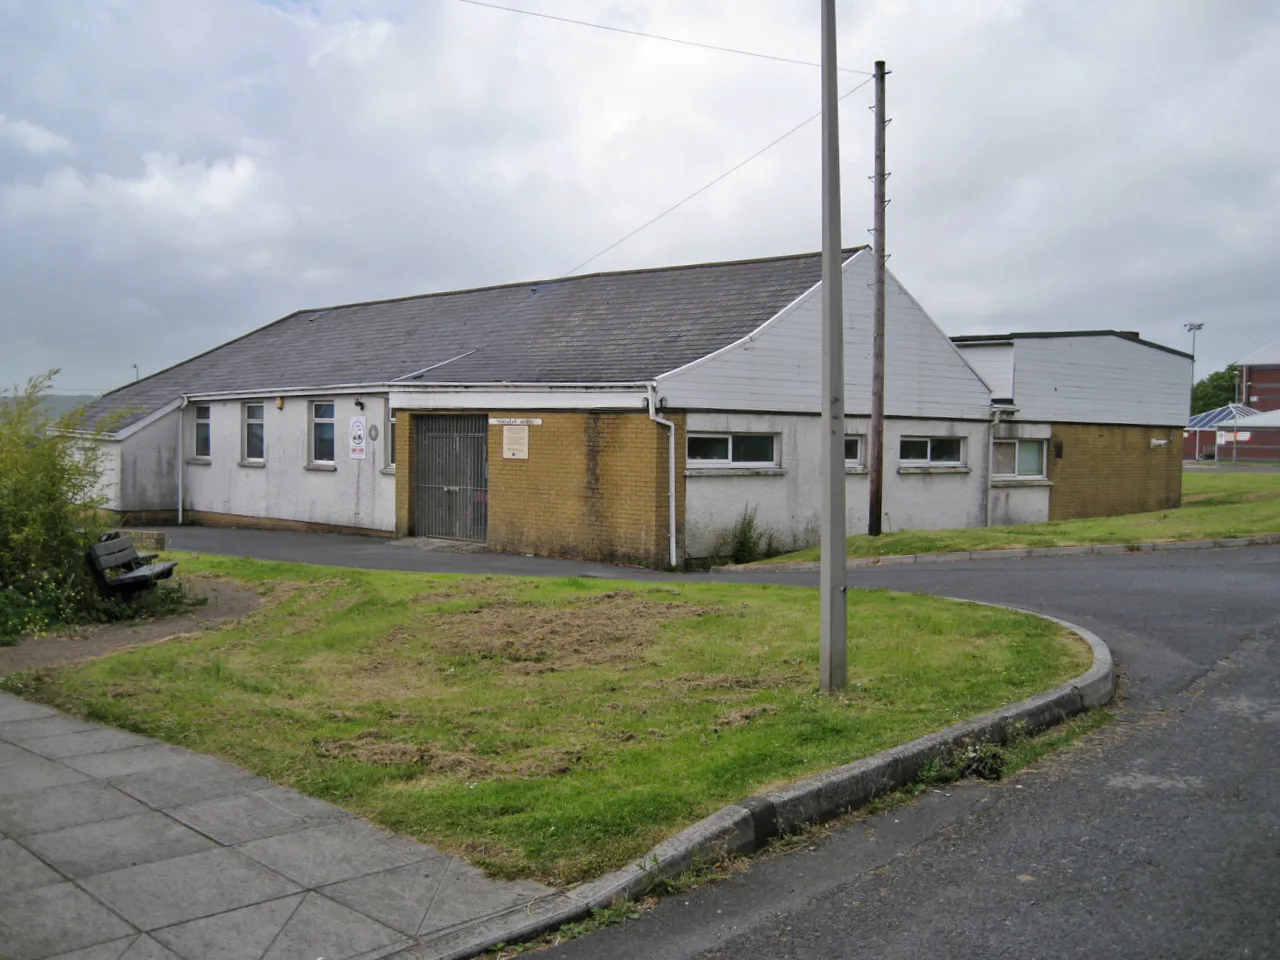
(552,729)
(1214,506)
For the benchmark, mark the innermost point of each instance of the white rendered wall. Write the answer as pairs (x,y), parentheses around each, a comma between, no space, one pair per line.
(787,500)
(355,493)
(149,466)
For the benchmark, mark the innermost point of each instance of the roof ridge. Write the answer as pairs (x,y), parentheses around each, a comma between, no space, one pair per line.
(846,251)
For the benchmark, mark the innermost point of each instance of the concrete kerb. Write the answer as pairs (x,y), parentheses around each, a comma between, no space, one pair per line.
(1097,549)
(749,825)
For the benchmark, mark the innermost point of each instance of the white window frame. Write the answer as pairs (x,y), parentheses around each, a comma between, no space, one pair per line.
(930,461)
(1017,442)
(312,420)
(697,463)
(207,422)
(245,420)
(861,458)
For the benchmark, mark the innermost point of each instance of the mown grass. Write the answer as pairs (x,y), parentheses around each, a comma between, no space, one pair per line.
(1214,506)
(552,729)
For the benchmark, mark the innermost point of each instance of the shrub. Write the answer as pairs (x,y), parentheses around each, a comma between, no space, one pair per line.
(746,541)
(49,513)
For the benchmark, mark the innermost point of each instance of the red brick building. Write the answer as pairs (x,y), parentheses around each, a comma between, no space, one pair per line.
(1260,375)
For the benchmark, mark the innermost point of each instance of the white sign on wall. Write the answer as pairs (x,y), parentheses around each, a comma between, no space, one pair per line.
(515,421)
(358,438)
(515,442)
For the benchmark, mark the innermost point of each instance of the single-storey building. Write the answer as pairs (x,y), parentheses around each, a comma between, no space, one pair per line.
(1199,440)
(1085,423)
(636,415)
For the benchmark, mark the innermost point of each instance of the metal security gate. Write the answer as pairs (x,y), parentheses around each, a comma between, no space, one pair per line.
(452,484)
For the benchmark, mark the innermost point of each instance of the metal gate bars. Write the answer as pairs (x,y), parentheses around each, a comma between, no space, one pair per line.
(452,482)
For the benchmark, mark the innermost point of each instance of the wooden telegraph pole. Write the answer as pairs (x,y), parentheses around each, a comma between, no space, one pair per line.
(876,439)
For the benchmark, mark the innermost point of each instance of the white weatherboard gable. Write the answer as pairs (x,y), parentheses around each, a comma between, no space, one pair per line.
(993,363)
(1100,379)
(778,368)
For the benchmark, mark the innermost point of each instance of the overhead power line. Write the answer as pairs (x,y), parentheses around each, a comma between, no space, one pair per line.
(707,186)
(654,36)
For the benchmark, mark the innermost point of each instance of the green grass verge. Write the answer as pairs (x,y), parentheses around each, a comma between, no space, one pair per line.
(552,729)
(1214,506)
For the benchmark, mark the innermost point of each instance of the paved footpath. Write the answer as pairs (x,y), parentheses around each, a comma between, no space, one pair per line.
(116,847)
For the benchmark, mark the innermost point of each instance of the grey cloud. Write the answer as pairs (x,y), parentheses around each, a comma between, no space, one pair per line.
(1055,164)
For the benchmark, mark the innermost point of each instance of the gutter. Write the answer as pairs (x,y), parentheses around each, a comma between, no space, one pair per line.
(671,468)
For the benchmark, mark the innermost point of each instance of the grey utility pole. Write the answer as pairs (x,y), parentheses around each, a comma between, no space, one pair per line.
(833,659)
(875,466)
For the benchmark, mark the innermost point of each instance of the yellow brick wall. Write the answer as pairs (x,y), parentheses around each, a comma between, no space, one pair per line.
(1109,470)
(594,486)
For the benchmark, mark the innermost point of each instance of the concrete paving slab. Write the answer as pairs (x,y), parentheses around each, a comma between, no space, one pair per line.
(14,708)
(68,805)
(16,731)
(168,892)
(75,744)
(471,895)
(243,934)
(103,951)
(144,948)
(121,763)
(323,928)
(20,870)
(188,781)
(337,851)
(400,898)
(40,923)
(11,753)
(253,816)
(93,848)
(35,773)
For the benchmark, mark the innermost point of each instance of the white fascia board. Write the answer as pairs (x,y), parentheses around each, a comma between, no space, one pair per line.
(332,389)
(751,337)
(518,399)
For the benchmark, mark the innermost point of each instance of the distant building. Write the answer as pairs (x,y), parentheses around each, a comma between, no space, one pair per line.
(1200,439)
(636,415)
(1260,377)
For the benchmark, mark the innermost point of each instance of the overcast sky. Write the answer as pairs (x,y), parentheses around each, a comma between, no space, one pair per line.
(175,174)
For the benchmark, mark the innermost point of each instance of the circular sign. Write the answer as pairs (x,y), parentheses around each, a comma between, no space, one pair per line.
(373,431)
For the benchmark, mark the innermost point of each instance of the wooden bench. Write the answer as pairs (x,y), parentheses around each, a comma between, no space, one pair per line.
(119,569)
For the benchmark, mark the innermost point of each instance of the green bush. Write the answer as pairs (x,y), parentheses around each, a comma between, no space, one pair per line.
(49,513)
(746,541)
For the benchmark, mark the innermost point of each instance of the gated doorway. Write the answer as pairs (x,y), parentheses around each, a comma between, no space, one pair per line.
(451,495)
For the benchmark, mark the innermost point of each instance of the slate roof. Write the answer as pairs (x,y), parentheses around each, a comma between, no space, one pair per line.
(600,328)
(1211,418)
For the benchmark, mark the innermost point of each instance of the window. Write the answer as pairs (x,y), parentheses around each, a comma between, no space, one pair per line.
(740,449)
(1018,458)
(254,448)
(938,451)
(852,449)
(203,426)
(322,431)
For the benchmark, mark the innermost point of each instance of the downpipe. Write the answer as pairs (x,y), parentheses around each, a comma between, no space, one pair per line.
(671,469)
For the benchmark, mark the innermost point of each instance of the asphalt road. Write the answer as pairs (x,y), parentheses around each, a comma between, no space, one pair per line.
(1158,836)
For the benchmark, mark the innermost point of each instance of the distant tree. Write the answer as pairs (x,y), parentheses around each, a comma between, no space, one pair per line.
(1216,390)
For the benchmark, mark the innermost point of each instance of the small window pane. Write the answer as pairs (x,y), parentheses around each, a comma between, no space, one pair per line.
(324,411)
(753,449)
(202,413)
(708,448)
(253,447)
(202,439)
(1006,453)
(913,450)
(852,448)
(322,450)
(945,450)
(1031,458)
(253,411)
